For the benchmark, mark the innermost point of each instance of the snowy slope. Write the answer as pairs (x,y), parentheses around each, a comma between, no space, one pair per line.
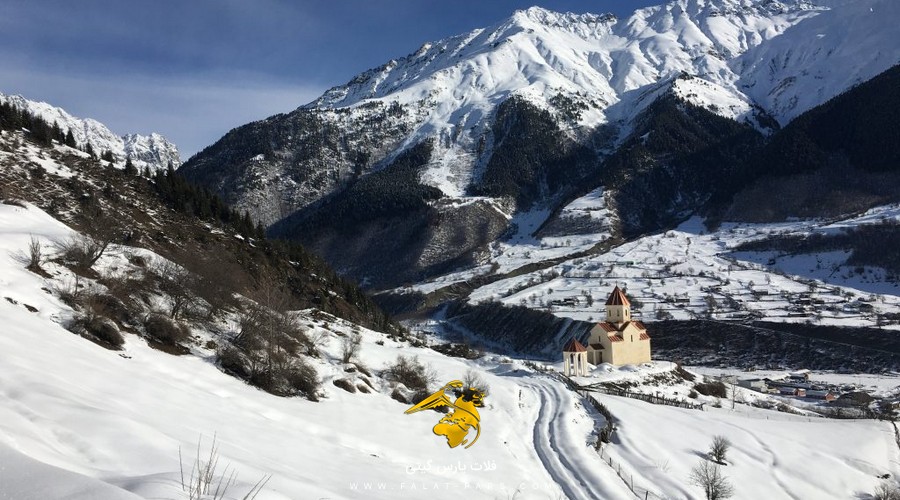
(780,57)
(152,151)
(102,424)
(820,58)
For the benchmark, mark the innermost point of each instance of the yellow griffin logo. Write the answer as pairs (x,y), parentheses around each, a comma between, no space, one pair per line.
(455,425)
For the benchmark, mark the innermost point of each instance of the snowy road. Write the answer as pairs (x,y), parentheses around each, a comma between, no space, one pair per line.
(560,434)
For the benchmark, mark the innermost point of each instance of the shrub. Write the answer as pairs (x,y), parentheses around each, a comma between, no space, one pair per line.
(109,306)
(410,372)
(165,330)
(719,448)
(35,256)
(303,378)
(98,328)
(714,388)
(474,379)
(233,362)
(82,251)
(684,373)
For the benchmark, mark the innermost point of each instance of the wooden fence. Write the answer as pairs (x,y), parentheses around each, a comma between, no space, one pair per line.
(650,398)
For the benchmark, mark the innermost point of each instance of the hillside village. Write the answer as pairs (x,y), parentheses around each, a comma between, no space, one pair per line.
(620,342)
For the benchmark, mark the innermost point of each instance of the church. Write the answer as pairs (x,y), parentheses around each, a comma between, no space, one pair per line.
(618,341)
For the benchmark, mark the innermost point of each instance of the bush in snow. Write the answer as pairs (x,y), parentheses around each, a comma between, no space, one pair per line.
(719,448)
(409,371)
(164,330)
(714,388)
(474,379)
(350,346)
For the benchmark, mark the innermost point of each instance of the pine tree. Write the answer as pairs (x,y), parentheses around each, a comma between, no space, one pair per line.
(130,169)
(70,139)
(90,150)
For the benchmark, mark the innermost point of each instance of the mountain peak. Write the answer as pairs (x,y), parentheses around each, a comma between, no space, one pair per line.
(552,18)
(153,151)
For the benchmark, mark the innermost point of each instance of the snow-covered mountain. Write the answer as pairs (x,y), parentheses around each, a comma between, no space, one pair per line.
(153,151)
(733,48)
(537,110)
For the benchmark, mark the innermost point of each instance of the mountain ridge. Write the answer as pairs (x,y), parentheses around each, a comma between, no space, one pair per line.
(152,151)
(582,79)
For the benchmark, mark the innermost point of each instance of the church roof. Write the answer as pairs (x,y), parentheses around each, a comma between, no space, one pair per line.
(607,327)
(639,324)
(574,346)
(617,298)
(644,336)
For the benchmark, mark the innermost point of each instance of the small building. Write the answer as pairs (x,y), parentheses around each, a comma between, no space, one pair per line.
(799,376)
(821,394)
(619,340)
(756,384)
(791,391)
(575,359)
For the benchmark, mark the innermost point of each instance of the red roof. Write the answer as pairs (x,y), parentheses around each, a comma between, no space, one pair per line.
(597,347)
(574,346)
(639,324)
(617,298)
(644,336)
(616,338)
(607,327)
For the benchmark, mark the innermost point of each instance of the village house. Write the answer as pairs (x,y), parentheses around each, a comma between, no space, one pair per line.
(756,384)
(619,340)
(821,394)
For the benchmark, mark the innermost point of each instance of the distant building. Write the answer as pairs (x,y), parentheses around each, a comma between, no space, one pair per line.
(619,340)
(820,394)
(756,384)
(791,391)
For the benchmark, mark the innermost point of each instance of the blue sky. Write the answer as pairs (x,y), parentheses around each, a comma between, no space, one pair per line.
(194,69)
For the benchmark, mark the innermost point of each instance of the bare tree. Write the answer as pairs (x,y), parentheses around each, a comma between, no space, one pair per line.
(719,448)
(887,490)
(474,379)
(270,343)
(99,232)
(708,476)
(350,346)
(178,284)
(82,250)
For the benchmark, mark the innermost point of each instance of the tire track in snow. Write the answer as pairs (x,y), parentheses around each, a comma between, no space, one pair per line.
(773,460)
(575,477)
